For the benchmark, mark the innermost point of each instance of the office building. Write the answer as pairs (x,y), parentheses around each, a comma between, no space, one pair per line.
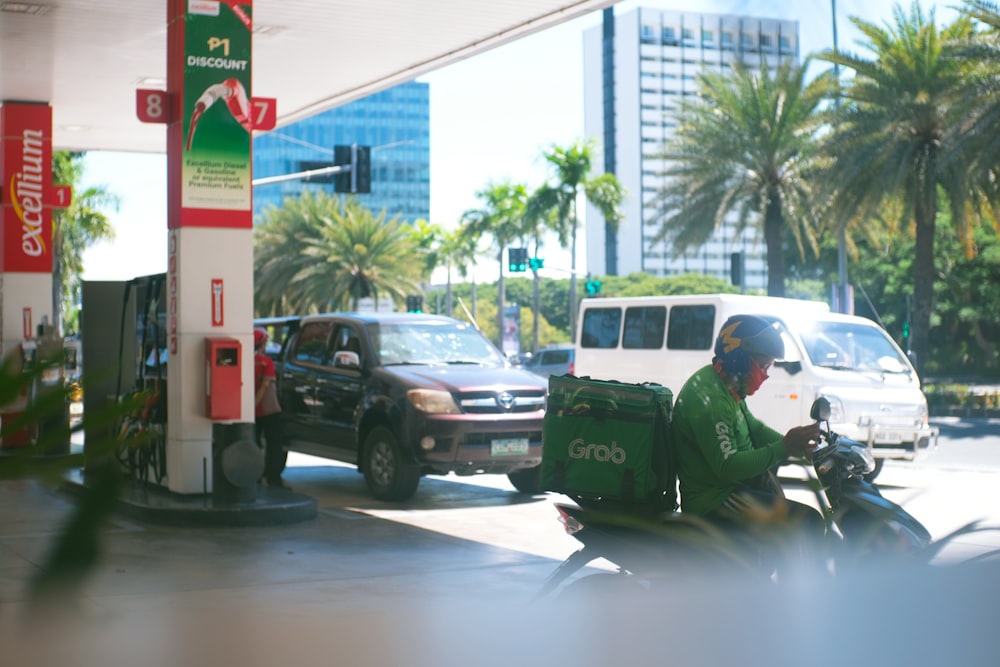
(394,122)
(638,67)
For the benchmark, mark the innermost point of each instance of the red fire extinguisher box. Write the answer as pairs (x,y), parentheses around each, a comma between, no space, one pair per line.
(223,381)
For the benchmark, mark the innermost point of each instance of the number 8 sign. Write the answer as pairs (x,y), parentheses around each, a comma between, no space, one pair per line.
(152,106)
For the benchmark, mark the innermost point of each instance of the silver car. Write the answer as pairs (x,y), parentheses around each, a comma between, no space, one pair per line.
(551,361)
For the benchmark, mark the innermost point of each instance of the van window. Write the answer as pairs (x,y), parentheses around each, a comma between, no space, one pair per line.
(644,327)
(691,328)
(601,327)
(311,345)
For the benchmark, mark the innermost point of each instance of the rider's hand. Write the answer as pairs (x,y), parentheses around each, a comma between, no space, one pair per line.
(802,440)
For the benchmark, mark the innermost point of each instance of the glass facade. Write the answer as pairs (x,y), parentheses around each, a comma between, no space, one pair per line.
(395,123)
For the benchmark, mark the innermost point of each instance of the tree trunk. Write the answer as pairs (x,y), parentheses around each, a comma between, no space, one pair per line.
(534,309)
(572,276)
(448,300)
(923,270)
(773,239)
(500,303)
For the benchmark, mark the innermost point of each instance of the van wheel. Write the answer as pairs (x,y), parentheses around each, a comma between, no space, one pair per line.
(870,477)
(387,473)
(528,480)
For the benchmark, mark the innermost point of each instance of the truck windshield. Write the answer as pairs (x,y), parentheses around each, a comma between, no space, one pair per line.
(850,346)
(433,343)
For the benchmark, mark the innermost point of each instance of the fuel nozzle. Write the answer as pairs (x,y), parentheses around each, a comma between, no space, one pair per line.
(232,91)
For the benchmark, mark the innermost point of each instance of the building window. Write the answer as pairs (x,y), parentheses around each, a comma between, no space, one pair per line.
(669,35)
(646,33)
(687,34)
(765,41)
(784,43)
(707,36)
(745,39)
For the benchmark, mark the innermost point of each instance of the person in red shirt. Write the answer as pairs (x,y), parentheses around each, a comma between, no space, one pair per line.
(267,413)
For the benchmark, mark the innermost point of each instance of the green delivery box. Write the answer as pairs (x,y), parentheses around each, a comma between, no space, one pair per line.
(605,442)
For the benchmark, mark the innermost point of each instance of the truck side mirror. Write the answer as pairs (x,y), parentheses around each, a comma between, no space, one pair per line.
(791,367)
(346,359)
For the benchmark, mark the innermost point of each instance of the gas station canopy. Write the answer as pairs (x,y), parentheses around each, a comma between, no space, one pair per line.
(86,58)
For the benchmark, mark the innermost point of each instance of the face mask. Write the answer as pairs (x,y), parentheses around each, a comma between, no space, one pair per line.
(755,378)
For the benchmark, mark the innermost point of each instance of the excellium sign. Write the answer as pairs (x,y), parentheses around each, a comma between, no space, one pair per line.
(27,179)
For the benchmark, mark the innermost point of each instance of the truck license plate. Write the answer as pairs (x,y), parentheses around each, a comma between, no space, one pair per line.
(509,447)
(888,437)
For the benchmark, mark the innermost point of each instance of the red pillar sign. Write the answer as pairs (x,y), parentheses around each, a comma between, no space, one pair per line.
(26,168)
(209,126)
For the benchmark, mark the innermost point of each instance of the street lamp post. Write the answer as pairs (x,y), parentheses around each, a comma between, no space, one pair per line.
(841,224)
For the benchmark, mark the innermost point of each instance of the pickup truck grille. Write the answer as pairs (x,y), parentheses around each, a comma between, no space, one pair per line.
(501,402)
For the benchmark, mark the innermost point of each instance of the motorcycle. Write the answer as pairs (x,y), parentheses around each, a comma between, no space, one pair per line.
(862,526)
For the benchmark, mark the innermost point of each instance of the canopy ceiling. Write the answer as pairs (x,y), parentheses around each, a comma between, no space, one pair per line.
(87,57)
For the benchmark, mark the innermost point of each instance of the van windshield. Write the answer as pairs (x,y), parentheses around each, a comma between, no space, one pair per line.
(850,346)
(433,343)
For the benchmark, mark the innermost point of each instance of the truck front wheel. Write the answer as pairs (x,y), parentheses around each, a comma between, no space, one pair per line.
(387,473)
(528,480)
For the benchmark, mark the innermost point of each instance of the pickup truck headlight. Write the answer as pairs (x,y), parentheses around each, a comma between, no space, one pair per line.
(433,402)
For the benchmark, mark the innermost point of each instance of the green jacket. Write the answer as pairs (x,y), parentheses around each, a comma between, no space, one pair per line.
(718,443)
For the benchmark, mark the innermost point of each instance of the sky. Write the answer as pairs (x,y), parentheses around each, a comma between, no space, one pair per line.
(491,118)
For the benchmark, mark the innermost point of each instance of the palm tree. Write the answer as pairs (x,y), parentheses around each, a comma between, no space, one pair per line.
(571,166)
(908,107)
(466,254)
(317,253)
(746,147)
(981,134)
(74,229)
(538,220)
(502,217)
(458,249)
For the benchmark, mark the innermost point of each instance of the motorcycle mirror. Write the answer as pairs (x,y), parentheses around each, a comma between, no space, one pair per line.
(820,410)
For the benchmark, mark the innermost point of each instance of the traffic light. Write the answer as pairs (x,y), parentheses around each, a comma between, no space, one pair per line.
(517,259)
(536,263)
(357,179)
(906,329)
(737,268)
(593,287)
(414,303)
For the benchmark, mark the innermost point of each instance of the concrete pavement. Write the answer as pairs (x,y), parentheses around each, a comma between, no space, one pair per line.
(441,580)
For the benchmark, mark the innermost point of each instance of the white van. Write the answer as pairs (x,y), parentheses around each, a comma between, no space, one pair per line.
(874,391)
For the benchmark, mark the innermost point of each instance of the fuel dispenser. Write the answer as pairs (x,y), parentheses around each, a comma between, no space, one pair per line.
(40,415)
(124,327)
(14,433)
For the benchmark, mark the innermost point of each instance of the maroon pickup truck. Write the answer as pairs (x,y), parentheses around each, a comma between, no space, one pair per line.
(402,395)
